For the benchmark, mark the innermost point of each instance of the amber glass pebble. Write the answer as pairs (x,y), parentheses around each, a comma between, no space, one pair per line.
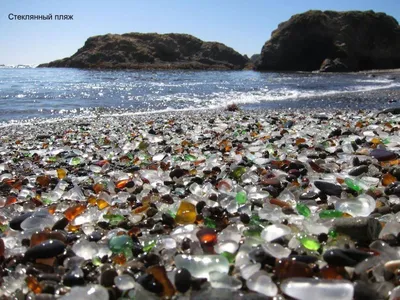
(388,179)
(119,259)
(186,213)
(161,276)
(98,187)
(288,268)
(207,238)
(101,203)
(122,183)
(43,180)
(61,173)
(33,284)
(331,272)
(74,211)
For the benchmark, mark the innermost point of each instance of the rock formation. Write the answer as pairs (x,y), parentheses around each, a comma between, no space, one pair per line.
(152,51)
(333,41)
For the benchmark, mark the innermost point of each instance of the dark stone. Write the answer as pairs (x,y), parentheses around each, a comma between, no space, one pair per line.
(177,173)
(350,41)
(356,171)
(15,223)
(311,195)
(107,277)
(168,220)
(148,282)
(183,280)
(364,291)
(72,279)
(396,208)
(345,257)
(328,188)
(244,218)
(46,249)
(95,236)
(304,258)
(60,224)
(152,51)
(258,255)
(361,229)
(383,155)
(393,111)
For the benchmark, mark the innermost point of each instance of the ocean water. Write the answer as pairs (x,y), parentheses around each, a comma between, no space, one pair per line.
(30,93)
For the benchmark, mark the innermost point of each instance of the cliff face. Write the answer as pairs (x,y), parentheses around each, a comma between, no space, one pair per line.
(151,51)
(333,41)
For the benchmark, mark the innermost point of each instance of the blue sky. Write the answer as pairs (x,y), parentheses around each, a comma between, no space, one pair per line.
(244,25)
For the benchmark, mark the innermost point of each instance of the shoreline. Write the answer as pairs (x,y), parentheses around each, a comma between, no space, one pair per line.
(387,98)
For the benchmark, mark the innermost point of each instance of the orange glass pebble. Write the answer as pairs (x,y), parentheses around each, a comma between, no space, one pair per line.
(74,211)
(119,259)
(207,238)
(33,284)
(10,200)
(160,275)
(98,187)
(43,181)
(61,173)
(280,203)
(102,204)
(186,213)
(140,209)
(92,200)
(73,228)
(122,183)
(376,140)
(52,209)
(330,272)
(388,179)
(300,141)
(339,180)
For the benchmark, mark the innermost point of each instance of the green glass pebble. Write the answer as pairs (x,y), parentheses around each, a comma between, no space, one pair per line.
(150,246)
(189,157)
(210,223)
(114,219)
(119,243)
(253,231)
(52,159)
(255,220)
(352,185)
(229,256)
(241,197)
(238,172)
(3,228)
(328,214)
(303,210)
(332,233)
(310,243)
(386,141)
(96,261)
(75,161)
(143,146)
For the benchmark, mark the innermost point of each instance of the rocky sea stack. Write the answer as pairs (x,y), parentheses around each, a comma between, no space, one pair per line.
(333,41)
(152,51)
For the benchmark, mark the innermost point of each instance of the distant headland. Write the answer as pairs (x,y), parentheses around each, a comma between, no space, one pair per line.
(325,41)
